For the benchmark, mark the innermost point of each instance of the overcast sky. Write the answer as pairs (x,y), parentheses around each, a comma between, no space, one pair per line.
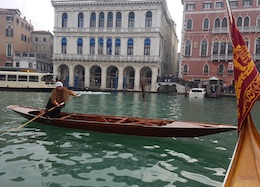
(41,12)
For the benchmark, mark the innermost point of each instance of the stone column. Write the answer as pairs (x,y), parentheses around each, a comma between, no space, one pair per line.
(103,78)
(154,79)
(55,70)
(71,75)
(87,76)
(137,79)
(120,78)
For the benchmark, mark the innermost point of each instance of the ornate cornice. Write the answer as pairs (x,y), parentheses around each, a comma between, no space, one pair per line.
(103,2)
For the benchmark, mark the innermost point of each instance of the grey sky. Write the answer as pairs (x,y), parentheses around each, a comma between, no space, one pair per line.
(41,12)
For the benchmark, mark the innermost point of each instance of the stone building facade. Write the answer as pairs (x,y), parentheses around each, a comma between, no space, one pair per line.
(113,44)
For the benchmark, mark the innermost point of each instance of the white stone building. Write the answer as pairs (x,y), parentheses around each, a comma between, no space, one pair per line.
(113,44)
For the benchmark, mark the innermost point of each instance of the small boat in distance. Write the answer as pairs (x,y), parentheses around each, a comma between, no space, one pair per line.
(26,81)
(124,125)
(197,93)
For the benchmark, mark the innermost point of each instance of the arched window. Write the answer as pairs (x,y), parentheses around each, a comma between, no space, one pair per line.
(187,48)
(246,22)
(100,46)
(215,47)
(148,19)
(117,46)
(110,19)
(147,46)
(130,46)
(246,42)
(80,46)
(131,19)
(118,19)
(224,22)
(230,48)
(239,22)
(221,69)
(185,69)
(258,21)
(93,19)
(204,46)
(217,23)
(206,24)
(63,45)
(92,46)
(81,20)
(189,24)
(109,46)
(9,50)
(223,47)
(101,19)
(206,69)
(257,46)
(64,20)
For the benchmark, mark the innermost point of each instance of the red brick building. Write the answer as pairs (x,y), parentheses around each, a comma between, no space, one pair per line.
(206,49)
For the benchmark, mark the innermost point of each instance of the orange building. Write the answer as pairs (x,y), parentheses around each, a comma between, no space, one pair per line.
(206,49)
(15,35)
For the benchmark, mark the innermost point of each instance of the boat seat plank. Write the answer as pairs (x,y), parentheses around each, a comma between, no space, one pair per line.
(66,117)
(122,120)
(102,119)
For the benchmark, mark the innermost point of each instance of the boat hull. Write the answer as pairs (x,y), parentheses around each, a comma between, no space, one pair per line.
(28,89)
(121,124)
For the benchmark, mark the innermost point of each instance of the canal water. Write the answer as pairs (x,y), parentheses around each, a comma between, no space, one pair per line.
(38,155)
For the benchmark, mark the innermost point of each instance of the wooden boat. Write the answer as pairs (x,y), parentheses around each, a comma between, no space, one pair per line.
(244,169)
(125,125)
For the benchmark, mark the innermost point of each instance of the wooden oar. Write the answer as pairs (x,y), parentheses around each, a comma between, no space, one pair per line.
(39,115)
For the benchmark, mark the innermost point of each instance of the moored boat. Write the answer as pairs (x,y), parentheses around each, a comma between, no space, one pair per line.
(26,81)
(125,125)
(197,93)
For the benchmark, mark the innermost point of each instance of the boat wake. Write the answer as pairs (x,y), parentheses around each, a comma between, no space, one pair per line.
(90,92)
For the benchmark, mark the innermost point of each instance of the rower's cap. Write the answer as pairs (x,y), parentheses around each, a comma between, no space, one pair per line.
(59,84)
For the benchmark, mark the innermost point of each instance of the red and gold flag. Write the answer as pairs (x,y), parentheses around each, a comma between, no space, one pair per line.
(247,79)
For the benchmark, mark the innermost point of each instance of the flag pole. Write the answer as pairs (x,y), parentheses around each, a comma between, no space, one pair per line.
(230,20)
(229,11)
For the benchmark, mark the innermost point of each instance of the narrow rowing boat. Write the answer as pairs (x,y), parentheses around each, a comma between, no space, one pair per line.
(125,125)
(244,169)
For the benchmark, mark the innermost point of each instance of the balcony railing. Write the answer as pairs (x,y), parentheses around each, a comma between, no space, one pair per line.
(106,29)
(224,30)
(219,57)
(112,58)
(31,56)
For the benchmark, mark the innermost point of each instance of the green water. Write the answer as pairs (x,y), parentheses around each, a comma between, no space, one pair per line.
(40,155)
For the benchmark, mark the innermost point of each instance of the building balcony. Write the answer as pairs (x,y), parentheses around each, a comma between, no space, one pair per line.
(253,29)
(106,29)
(222,57)
(107,58)
(31,56)
(220,30)
(249,29)
(256,56)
